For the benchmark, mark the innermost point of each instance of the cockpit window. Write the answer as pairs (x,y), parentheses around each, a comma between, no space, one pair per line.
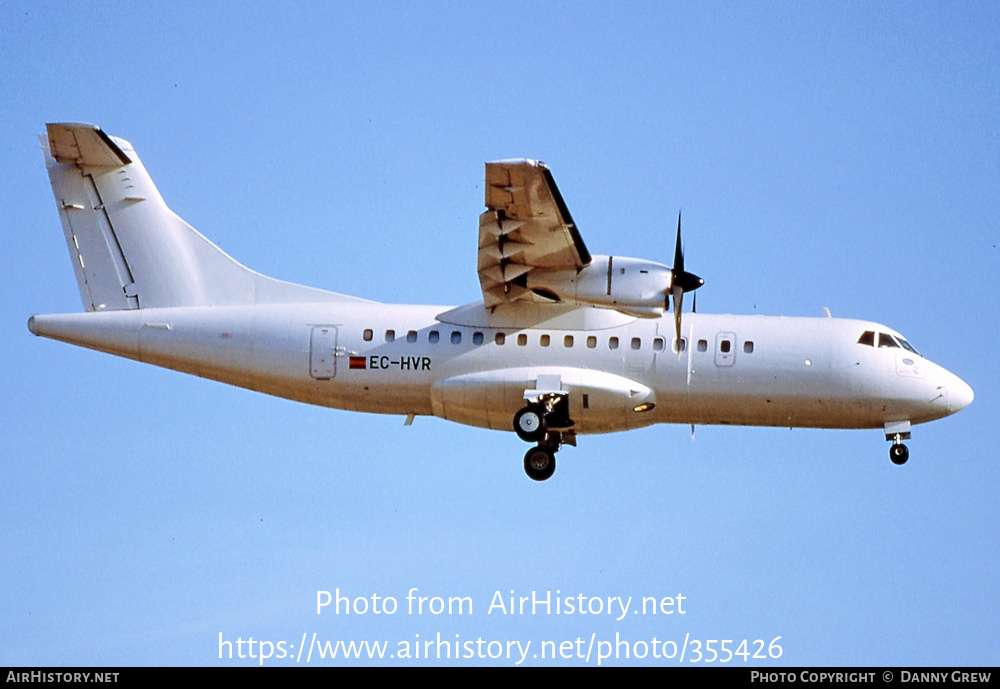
(907,346)
(887,340)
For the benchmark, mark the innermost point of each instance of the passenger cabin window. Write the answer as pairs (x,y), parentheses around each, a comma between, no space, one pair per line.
(726,346)
(500,338)
(867,338)
(680,346)
(613,343)
(522,340)
(658,344)
(591,342)
(368,335)
(456,337)
(477,338)
(702,345)
(636,343)
(748,347)
(568,341)
(390,335)
(411,336)
(433,336)
(544,340)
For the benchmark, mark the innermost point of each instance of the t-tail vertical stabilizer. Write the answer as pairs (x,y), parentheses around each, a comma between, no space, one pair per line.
(128,249)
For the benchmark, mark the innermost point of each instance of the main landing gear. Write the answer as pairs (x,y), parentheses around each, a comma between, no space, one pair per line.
(546,422)
(540,462)
(896,432)
(529,423)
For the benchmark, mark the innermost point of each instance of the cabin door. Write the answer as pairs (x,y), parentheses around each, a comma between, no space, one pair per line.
(323,352)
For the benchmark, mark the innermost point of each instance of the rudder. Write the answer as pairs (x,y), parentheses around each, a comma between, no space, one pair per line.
(102,274)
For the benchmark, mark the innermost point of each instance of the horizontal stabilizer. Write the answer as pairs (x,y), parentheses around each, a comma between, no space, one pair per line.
(84,144)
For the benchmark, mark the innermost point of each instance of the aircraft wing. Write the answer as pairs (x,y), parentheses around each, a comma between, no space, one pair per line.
(526,226)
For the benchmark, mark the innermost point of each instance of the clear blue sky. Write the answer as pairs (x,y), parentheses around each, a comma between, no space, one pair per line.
(834,154)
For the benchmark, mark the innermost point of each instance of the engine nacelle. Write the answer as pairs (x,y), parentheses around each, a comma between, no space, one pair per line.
(630,285)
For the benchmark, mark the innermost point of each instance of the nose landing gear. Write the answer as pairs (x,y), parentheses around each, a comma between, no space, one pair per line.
(896,432)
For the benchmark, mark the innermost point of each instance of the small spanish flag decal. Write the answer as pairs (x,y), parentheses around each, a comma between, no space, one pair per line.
(357,362)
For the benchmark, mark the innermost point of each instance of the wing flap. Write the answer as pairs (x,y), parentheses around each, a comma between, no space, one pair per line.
(526,227)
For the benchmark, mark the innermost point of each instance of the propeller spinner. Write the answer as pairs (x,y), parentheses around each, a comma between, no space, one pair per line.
(681,282)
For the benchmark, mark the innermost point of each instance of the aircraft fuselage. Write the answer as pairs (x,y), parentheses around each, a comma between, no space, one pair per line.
(397,359)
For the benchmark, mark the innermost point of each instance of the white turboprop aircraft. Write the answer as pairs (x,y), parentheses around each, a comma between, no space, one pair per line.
(564,342)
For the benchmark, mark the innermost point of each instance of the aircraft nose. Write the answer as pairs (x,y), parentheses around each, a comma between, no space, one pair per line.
(959,394)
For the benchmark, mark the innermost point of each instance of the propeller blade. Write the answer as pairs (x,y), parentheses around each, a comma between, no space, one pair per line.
(688,282)
(678,295)
(678,251)
(681,282)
